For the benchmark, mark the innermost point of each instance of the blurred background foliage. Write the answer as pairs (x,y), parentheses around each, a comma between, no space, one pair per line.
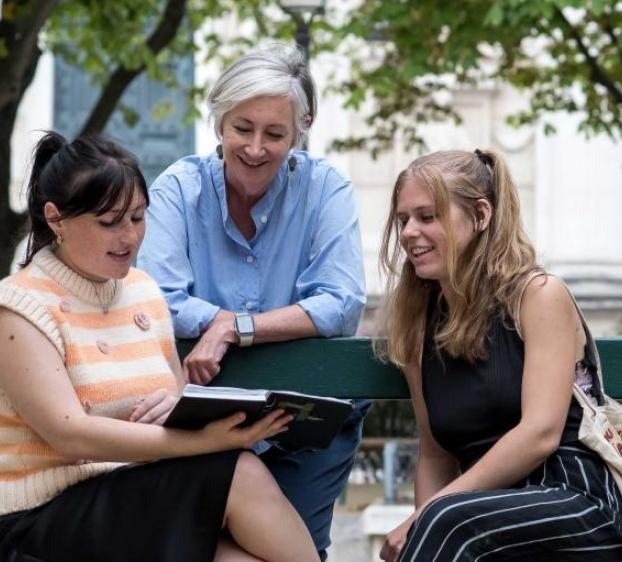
(390,417)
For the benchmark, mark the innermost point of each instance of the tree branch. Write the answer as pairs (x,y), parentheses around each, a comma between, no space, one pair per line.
(21,39)
(598,74)
(122,77)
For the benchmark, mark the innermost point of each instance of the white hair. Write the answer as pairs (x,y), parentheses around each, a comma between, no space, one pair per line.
(275,70)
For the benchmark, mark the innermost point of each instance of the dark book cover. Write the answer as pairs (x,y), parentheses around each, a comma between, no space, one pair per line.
(317,419)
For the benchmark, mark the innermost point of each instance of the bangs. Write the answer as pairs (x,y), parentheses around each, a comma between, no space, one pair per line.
(102,189)
(120,189)
(437,187)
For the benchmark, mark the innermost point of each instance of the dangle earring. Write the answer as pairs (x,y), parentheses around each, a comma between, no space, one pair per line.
(219,151)
(291,164)
(291,167)
(59,239)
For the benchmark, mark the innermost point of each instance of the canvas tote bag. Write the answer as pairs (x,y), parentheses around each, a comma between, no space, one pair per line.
(601,425)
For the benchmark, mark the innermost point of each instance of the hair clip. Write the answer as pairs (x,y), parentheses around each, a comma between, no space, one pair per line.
(484,158)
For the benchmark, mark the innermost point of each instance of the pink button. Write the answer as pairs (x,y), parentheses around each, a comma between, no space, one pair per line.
(65,306)
(142,320)
(103,346)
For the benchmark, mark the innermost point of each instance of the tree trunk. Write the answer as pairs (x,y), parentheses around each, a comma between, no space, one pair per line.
(121,77)
(11,223)
(16,73)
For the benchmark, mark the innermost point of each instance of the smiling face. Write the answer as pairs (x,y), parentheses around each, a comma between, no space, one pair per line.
(101,247)
(256,137)
(422,235)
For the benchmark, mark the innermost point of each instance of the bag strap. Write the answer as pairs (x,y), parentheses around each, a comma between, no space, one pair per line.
(590,347)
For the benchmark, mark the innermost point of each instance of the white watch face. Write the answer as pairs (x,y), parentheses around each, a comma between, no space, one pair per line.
(244,324)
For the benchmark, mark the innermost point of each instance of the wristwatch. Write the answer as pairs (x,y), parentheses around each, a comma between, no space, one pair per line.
(245,328)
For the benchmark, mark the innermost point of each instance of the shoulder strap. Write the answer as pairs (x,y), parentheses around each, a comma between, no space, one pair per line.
(590,347)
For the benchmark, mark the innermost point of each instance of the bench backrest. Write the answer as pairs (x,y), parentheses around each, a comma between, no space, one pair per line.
(346,368)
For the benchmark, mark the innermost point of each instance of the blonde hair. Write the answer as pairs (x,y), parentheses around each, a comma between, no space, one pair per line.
(487,278)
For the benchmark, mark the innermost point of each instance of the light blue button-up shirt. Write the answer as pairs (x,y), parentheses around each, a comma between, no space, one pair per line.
(306,249)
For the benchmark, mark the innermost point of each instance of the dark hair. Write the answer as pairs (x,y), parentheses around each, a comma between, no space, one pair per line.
(88,175)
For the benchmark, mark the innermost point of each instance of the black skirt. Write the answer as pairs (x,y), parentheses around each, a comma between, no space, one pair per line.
(164,511)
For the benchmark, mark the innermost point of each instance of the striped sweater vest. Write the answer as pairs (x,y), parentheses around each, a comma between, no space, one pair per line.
(115,339)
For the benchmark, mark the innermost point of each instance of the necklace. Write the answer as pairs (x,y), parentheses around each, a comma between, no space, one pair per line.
(105,293)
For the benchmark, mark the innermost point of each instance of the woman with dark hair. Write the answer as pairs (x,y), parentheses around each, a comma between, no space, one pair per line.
(491,346)
(89,373)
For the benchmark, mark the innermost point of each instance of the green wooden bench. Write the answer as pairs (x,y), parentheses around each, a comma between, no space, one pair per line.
(346,368)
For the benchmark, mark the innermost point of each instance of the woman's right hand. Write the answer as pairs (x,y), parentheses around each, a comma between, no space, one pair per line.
(202,364)
(227,433)
(395,540)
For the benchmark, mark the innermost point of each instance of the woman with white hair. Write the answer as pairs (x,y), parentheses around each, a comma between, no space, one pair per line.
(259,242)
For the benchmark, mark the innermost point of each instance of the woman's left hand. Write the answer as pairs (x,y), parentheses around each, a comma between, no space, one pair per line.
(154,408)
(396,539)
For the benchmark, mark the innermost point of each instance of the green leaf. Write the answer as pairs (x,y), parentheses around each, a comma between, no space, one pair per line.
(130,115)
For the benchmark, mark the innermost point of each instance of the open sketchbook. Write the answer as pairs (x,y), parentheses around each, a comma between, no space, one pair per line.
(317,419)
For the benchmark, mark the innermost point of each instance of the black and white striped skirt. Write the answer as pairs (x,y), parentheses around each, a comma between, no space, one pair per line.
(566,510)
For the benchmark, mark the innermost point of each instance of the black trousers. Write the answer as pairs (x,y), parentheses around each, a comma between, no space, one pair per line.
(567,510)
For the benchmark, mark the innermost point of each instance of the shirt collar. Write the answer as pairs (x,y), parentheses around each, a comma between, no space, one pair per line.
(264,206)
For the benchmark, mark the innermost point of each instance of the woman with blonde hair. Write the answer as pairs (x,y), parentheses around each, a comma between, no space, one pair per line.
(490,345)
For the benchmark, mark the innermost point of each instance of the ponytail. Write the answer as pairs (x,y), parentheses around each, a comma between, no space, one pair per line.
(39,233)
(509,243)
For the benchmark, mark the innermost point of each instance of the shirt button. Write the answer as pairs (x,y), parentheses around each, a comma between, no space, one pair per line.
(249,305)
(264,219)
(103,347)
(250,259)
(65,306)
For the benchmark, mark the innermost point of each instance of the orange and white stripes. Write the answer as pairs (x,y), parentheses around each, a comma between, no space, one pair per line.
(116,341)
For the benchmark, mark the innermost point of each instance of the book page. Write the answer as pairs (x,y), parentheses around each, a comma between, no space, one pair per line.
(223,392)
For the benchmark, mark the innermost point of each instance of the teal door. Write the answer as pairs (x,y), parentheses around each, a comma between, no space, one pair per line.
(157,143)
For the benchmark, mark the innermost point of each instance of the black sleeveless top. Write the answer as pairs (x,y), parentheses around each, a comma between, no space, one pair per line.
(472,405)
